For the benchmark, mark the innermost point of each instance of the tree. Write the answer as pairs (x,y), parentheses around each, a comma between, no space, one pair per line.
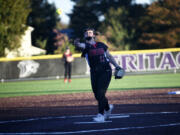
(13,15)
(119,24)
(62,42)
(161,26)
(114,29)
(82,18)
(87,13)
(44,19)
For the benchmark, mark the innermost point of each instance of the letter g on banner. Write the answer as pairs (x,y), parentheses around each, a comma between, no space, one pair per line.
(27,68)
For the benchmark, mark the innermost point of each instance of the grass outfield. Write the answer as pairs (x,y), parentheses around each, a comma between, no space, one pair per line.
(26,88)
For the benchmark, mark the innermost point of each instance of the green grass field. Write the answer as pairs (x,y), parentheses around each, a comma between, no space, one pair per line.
(44,87)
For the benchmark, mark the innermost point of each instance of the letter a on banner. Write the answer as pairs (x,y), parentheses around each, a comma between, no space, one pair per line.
(167,61)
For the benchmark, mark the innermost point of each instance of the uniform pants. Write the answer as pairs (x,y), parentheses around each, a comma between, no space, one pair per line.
(100,81)
(67,72)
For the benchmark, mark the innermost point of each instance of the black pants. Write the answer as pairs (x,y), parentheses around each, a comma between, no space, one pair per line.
(100,81)
(67,73)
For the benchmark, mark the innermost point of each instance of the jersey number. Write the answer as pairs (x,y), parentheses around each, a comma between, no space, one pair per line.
(102,59)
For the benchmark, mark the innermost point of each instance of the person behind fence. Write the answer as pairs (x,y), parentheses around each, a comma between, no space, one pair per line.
(68,59)
(99,59)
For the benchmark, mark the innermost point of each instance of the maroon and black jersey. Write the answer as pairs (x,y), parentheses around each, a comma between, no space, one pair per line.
(96,56)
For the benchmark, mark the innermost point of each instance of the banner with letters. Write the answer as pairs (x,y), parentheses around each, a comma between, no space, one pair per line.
(144,62)
(134,62)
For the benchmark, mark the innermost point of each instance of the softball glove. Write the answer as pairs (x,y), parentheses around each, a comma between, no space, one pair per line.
(119,73)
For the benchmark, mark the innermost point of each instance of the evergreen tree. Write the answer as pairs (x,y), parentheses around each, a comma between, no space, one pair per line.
(87,13)
(119,24)
(44,19)
(81,18)
(13,15)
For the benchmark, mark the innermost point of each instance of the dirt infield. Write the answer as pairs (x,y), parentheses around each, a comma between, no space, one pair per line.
(147,100)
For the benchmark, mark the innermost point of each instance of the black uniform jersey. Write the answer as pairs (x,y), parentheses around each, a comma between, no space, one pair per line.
(96,56)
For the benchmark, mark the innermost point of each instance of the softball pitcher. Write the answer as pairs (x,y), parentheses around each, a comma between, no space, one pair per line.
(99,59)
